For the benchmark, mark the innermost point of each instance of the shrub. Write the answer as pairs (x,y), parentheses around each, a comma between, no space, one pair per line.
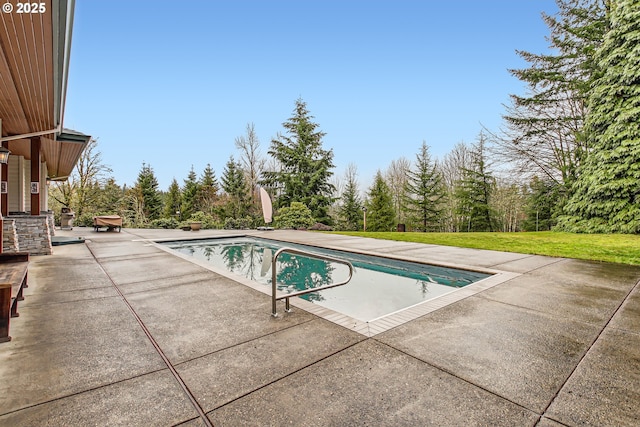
(166,223)
(84,220)
(207,220)
(238,223)
(295,216)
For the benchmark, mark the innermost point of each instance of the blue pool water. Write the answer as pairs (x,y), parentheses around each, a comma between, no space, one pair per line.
(379,286)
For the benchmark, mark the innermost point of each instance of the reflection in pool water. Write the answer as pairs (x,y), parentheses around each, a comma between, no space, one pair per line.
(379,287)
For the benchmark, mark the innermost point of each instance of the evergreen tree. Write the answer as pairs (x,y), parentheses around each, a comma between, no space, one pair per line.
(110,198)
(543,134)
(146,189)
(541,205)
(607,194)
(189,203)
(350,210)
(380,213)
(295,216)
(207,191)
(235,186)
(172,200)
(475,189)
(305,165)
(424,191)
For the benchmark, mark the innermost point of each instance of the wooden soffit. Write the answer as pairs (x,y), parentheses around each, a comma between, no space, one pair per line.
(26,72)
(33,76)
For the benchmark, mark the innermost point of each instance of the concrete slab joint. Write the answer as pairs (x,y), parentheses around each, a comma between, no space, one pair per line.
(556,344)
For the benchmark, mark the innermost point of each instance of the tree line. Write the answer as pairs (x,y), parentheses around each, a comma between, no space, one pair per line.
(567,157)
(459,193)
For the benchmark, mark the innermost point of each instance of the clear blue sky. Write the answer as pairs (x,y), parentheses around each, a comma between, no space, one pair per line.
(173,83)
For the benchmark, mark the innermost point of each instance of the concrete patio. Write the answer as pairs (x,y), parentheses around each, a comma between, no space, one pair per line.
(117,331)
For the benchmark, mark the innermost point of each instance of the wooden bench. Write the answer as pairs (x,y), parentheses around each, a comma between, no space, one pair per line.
(13,279)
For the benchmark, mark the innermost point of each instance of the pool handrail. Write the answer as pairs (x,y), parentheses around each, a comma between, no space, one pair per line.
(286,297)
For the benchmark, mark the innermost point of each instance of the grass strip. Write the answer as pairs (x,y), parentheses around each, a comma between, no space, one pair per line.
(617,248)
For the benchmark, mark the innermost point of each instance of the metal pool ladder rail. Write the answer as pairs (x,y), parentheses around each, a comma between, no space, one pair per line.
(286,297)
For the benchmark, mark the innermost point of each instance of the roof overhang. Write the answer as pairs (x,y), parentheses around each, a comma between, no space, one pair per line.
(63,153)
(34,69)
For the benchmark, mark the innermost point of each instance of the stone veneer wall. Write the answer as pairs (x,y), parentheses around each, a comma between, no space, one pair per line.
(52,221)
(9,236)
(34,234)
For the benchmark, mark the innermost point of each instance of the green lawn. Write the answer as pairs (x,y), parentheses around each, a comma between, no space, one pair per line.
(621,248)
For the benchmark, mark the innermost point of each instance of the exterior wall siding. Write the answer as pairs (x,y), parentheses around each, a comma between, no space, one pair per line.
(23,232)
(16,184)
(44,188)
(26,186)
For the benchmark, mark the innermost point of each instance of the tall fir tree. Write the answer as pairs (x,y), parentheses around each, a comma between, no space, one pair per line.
(379,205)
(208,188)
(147,190)
(235,186)
(172,200)
(189,203)
(606,196)
(544,129)
(474,191)
(424,193)
(350,210)
(305,166)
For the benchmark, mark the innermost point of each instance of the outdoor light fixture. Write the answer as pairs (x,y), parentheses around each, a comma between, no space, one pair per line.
(4,155)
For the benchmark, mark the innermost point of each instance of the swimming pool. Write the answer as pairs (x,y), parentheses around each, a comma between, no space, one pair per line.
(379,287)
